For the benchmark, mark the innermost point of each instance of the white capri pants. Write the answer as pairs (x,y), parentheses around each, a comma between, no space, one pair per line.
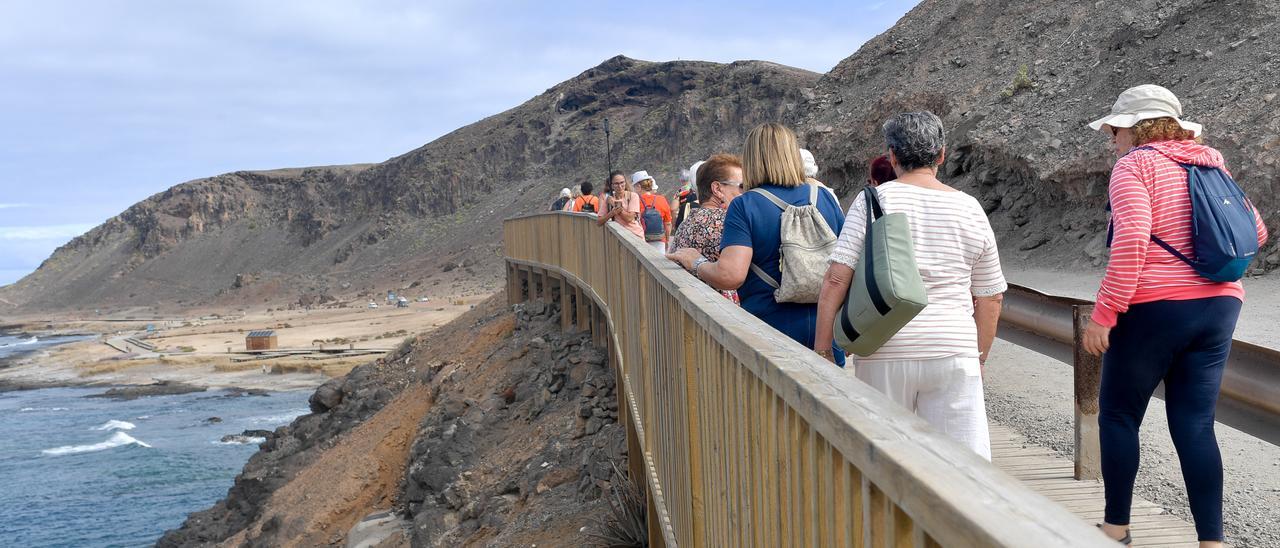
(945,392)
(659,245)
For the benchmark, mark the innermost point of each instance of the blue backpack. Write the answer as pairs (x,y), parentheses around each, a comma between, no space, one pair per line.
(1223,229)
(651,218)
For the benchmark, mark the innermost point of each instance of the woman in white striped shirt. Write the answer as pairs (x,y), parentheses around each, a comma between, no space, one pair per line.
(933,366)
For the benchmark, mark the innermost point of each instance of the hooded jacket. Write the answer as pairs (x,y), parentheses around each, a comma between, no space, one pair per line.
(1149,195)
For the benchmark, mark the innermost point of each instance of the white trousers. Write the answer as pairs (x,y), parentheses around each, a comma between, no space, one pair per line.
(945,392)
(659,245)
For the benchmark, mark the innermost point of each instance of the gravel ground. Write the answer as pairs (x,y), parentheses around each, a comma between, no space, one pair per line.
(1033,394)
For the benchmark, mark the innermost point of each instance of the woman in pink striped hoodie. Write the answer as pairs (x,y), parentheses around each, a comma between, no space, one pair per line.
(1156,319)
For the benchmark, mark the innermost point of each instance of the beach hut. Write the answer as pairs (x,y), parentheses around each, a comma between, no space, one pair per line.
(261,340)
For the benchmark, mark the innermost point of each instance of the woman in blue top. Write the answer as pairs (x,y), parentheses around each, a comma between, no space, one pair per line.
(752,234)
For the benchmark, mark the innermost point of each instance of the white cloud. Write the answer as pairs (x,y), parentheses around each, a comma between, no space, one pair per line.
(13,206)
(48,232)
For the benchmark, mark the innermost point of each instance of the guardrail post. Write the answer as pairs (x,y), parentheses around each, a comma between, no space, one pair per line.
(1088,376)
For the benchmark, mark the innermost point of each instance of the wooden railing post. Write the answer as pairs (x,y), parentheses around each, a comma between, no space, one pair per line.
(511,284)
(566,315)
(1088,375)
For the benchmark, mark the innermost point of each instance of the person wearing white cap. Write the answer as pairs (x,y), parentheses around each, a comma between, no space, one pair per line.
(687,198)
(1157,318)
(655,211)
(565,196)
(811,171)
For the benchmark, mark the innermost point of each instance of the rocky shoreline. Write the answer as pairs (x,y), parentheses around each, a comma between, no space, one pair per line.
(509,439)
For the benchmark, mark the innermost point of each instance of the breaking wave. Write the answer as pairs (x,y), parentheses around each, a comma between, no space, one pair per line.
(117,440)
(117,425)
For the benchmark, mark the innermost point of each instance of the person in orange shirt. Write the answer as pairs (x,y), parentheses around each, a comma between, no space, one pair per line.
(586,202)
(655,211)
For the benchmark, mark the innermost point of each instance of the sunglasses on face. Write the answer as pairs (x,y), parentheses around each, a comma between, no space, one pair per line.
(730,183)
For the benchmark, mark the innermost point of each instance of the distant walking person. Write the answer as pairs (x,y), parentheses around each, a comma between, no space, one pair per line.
(933,365)
(577,193)
(586,202)
(621,205)
(687,199)
(655,211)
(720,181)
(1157,318)
(752,240)
(565,195)
(880,171)
(811,171)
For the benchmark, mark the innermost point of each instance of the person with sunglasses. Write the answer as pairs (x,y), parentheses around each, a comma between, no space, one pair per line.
(719,180)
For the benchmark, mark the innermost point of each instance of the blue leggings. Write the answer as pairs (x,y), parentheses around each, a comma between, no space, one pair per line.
(1185,344)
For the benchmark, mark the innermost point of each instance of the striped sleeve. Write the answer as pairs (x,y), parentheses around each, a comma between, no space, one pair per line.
(1131,217)
(987,279)
(849,245)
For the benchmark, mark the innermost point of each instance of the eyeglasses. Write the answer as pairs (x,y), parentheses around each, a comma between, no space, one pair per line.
(730,183)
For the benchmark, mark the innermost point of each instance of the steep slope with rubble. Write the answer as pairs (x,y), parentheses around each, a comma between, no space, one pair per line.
(1020,143)
(510,440)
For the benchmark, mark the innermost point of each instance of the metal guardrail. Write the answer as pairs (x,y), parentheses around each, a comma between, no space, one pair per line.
(743,437)
(1250,396)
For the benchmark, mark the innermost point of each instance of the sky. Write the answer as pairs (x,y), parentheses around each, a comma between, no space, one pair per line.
(105,103)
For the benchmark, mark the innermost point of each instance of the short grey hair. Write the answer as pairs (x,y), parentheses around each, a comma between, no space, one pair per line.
(916,139)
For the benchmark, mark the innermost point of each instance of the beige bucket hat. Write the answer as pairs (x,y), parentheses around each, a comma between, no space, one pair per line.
(1144,103)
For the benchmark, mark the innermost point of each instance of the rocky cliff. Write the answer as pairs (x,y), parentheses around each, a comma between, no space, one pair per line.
(248,236)
(1016,82)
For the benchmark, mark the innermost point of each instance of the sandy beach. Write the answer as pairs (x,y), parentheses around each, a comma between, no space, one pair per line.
(206,348)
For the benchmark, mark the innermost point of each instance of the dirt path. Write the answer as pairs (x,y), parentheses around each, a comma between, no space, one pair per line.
(357,476)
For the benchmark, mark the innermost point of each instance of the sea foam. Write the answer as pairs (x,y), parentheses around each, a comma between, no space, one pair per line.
(117,425)
(32,340)
(241,440)
(117,440)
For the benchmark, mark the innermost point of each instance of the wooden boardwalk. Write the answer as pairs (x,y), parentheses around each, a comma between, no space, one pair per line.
(1051,475)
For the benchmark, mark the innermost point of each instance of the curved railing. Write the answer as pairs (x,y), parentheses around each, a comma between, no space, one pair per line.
(747,437)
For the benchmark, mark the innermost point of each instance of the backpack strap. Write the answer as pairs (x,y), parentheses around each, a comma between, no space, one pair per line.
(813,194)
(765,276)
(769,196)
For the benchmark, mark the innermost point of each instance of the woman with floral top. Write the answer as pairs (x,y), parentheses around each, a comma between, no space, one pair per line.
(719,181)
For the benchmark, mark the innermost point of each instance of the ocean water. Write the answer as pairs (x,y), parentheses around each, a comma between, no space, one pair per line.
(13,345)
(78,471)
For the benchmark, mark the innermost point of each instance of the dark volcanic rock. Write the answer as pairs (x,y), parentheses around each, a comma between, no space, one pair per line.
(1025,153)
(328,396)
(290,449)
(160,388)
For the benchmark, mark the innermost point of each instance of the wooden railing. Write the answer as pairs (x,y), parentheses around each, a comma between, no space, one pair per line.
(746,438)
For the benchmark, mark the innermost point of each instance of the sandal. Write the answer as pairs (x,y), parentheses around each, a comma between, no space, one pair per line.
(1128,536)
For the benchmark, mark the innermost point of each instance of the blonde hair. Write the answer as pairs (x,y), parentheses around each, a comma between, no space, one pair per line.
(1161,129)
(771,155)
(576,191)
(646,185)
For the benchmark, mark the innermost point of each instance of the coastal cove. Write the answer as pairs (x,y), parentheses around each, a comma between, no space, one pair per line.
(86,471)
